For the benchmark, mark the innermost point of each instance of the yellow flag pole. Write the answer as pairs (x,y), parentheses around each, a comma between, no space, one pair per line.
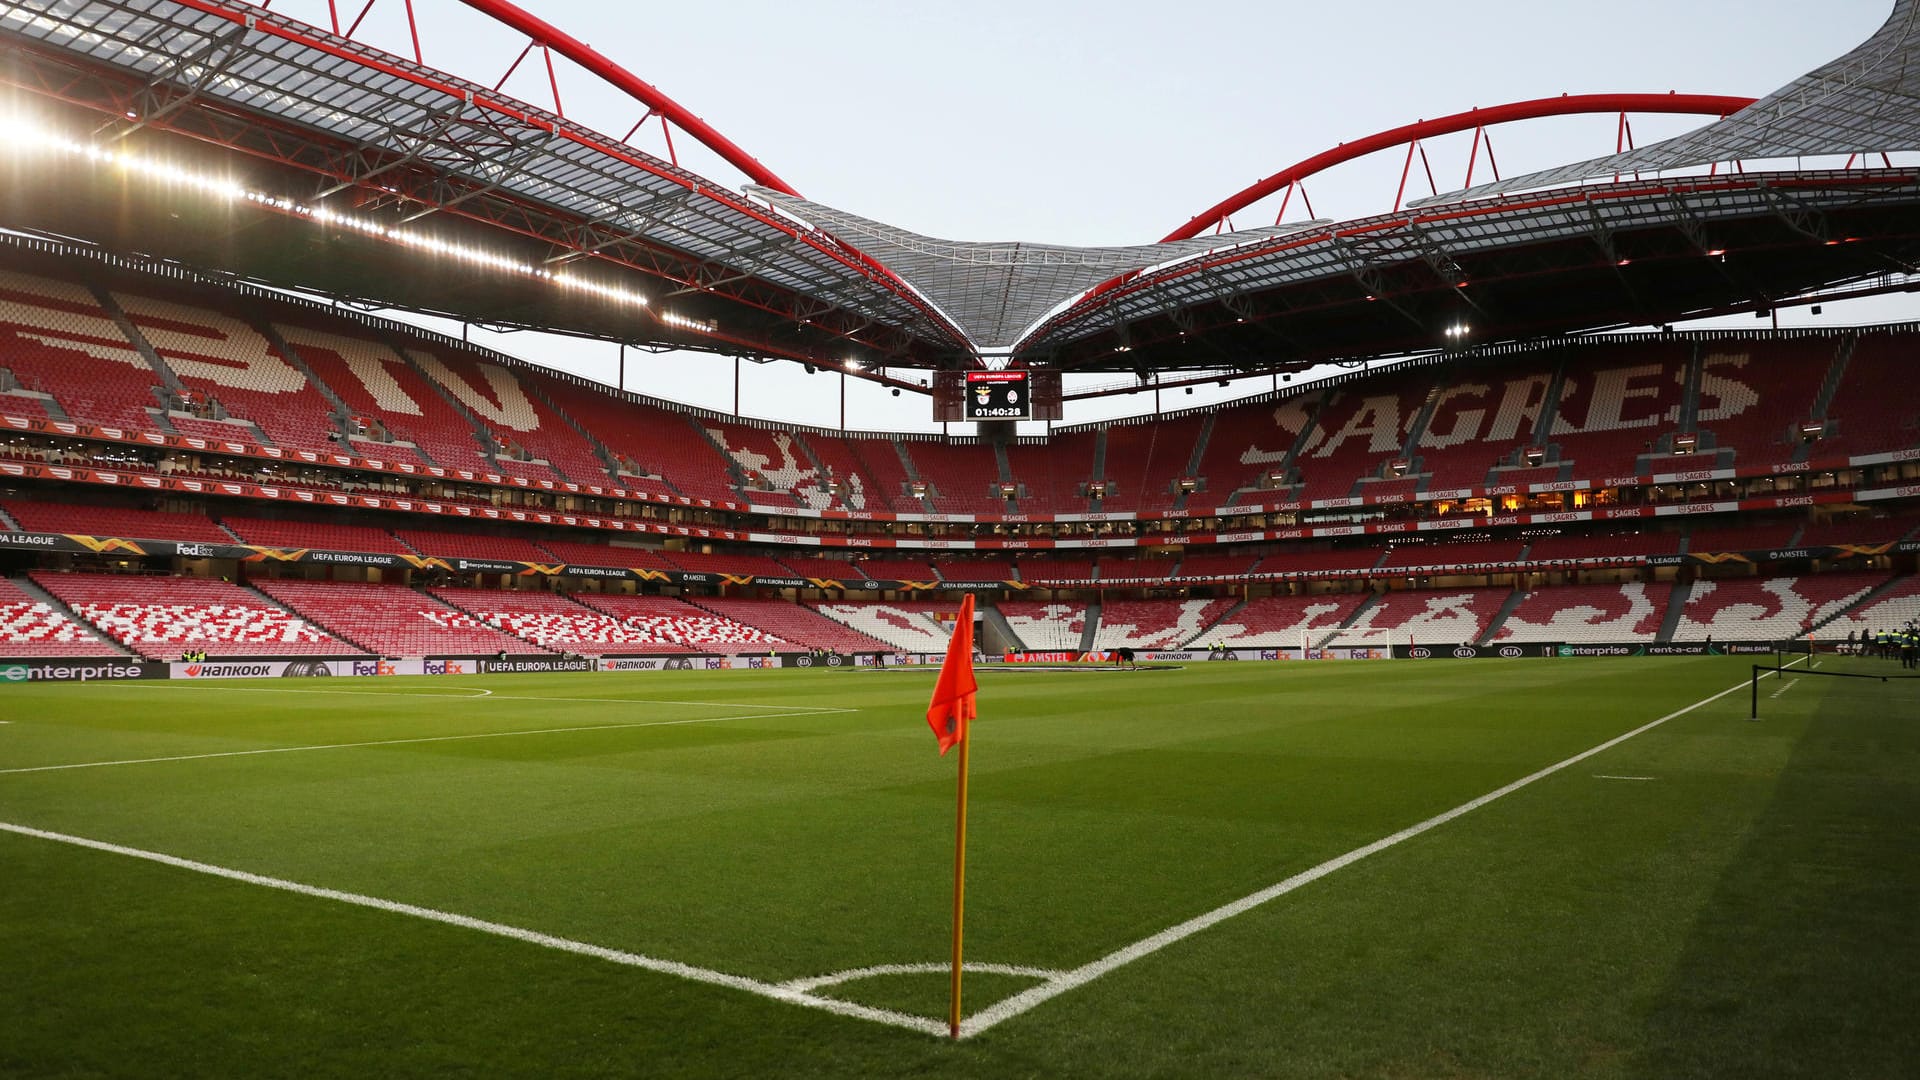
(959,875)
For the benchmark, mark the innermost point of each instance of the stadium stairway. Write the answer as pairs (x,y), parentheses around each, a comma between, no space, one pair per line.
(607,458)
(436,598)
(1830,386)
(292,356)
(1206,632)
(1870,597)
(736,476)
(998,626)
(1090,631)
(1500,617)
(32,588)
(487,450)
(1194,459)
(1352,616)
(168,377)
(1676,607)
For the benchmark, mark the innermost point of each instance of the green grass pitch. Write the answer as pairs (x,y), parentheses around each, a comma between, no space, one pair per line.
(1710,897)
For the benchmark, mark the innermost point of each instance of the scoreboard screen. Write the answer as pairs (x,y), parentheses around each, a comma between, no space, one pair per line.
(998,395)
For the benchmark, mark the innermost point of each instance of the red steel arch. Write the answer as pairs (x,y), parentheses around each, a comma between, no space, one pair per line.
(1564,105)
(545,33)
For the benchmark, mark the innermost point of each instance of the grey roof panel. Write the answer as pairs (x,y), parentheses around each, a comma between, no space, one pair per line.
(1866,102)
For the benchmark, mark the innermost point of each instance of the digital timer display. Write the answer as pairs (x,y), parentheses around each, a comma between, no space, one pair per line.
(998,395)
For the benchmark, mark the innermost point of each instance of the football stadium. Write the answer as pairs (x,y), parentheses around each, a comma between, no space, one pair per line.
(1474,636)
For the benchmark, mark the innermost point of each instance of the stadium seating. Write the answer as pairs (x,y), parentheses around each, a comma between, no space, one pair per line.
(374,382)
(46,517)
(670,625)
(1143,569)
(1359,429)
(795,626)
(225,357)
(159,617)
(829,569)
(581,553)
(327,536)
(30,627)
(1046,627)
(1755,396)
(1616,546)
(907,625)
(1145,461)
(392,620)
(1588,614)
(775,464)
(1042,571)
(1482,417)
(1767,609)
(1155,624)
(448,545)
(1875,408)
(1419,556)
(974,569)
(1858,529)
(1423,617)
(1303,562)
(1214,564)
(1247,443)
(57,339)
(1892,609)
(1280,622)
(549,621)
(517,420)
(657,441)
(964,479)
(879,487)
(1763,537)
(1051,473)
(727,562)
(1616,402)
(897,570)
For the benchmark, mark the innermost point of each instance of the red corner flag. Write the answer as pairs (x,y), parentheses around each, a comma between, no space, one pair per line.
(952,703)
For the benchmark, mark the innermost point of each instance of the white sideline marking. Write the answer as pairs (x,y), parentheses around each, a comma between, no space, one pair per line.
(811,711)
(480,692)
(1607,776)
(1080,976)
(531,937)
(1790,685)
(476,695)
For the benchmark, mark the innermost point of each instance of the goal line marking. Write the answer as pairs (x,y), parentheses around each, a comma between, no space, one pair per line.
(811,711)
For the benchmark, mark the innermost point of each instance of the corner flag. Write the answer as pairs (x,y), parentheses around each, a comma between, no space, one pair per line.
(953,696)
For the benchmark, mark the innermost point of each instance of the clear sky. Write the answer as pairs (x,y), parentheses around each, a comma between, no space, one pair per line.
(1101,122)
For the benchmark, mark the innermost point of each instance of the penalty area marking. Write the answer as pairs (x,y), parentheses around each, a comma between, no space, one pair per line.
(810,711)
(1608,776)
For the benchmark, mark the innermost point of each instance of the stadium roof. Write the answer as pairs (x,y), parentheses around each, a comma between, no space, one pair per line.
(1866,102)
(995,292)
(343,155)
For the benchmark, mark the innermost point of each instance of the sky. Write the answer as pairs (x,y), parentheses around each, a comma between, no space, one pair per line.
(1106,122)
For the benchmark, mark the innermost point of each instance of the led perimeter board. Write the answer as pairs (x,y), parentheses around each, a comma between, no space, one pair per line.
(998,395)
